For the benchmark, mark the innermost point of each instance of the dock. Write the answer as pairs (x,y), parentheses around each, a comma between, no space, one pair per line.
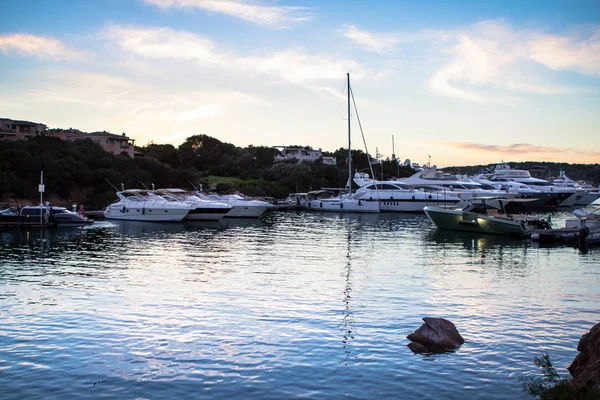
(9,222)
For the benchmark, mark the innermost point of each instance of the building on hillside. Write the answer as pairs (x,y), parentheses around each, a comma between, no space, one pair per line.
(12,129)
(111,143)
(302,154)
(114,144)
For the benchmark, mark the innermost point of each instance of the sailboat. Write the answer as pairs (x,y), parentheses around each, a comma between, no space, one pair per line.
(346,202)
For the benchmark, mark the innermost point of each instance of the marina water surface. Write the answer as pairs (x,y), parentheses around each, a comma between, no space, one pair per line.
(296,305)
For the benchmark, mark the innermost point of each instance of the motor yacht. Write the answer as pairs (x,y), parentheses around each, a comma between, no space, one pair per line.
(565,196)
(584,195)
(484,216)
(441,184)
(204,210)
(242,207)
(395,196)
(143,205)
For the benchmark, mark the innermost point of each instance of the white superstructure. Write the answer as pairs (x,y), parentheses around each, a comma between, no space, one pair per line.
(143,205)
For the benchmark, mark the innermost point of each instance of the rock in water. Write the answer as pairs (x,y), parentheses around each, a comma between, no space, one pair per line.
(417,347)
(585,368)
(437,335)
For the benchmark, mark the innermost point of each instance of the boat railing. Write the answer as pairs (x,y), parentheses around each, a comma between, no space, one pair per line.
(157,202)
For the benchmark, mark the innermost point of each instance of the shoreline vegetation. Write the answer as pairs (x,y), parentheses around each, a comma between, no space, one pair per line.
(77,172)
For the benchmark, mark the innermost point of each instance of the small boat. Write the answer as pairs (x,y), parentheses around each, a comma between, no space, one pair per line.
(294,202)
(45,215)
(484,216)
(591,216)
(583,230)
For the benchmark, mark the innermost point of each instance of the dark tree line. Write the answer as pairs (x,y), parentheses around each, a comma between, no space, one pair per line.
(80,171)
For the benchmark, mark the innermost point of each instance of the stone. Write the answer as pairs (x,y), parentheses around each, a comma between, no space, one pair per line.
(417,347)
(437,335)
(585,368)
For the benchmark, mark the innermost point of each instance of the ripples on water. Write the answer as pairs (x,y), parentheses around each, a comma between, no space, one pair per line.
(297,305)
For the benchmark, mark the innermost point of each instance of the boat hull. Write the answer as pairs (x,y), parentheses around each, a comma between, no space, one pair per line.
(458,220)
(207,214)
(580,198)
(145,214)
(246,211)
(345,205)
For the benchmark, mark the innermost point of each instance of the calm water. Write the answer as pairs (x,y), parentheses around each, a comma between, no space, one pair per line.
(297,305)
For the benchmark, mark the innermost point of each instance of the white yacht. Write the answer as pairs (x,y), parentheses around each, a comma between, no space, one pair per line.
(441,187)
(204,210)
(433,180)
(241,207)
(143,205)
(395,196)
(559,196)
(584,193)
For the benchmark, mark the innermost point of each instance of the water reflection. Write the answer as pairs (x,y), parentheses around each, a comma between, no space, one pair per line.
(347,324)
(251,308)
(473,241)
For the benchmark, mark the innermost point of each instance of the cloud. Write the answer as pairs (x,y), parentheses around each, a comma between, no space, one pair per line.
(575,53)
(165,43)
(517,149)
(38,46)
(130,105)
(377,42)
(493,55)
(272,16)
(293,66)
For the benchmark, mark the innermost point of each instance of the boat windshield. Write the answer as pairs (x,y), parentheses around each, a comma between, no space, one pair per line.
(386,186)
(32,211)
(477,208)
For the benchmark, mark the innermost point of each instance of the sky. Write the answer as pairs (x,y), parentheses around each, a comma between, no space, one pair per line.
(462,82)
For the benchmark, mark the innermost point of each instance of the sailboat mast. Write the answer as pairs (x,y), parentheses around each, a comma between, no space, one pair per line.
(349,142)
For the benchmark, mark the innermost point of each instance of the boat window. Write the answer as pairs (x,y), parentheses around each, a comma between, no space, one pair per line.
(479,208)
(387,186)
(32,211)
(487,187)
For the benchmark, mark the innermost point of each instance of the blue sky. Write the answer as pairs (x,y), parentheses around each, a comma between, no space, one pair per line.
(466,82)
